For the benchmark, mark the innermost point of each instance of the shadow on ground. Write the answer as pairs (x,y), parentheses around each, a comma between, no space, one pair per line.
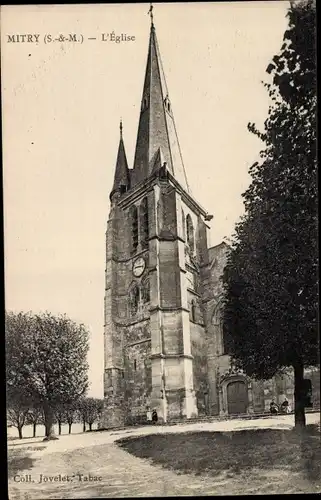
(26,443)
(212,453)
(19,460)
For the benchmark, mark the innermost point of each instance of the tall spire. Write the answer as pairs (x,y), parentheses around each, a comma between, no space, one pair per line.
(121,178)
(156,129)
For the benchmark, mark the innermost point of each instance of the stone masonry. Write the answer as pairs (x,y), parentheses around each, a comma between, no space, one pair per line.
(163,338)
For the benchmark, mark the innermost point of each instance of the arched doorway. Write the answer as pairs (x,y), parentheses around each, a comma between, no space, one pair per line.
(237,397)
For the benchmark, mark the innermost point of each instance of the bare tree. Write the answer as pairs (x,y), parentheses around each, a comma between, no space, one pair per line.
(35,417)
(60,416)
(90,410)
(17,413)
(70,415)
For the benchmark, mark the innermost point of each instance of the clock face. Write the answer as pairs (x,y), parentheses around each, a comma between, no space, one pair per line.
(139,267)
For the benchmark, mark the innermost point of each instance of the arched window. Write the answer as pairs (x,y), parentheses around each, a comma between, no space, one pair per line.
(144,223)
(145,291)
(134,222)
(216,318)
(192,310)
(145,103)
(134,300)
(190,233)
(183,225)
(167,104)
(218,321)
(139,297)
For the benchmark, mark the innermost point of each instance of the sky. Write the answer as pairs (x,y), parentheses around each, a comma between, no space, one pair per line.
(61,106)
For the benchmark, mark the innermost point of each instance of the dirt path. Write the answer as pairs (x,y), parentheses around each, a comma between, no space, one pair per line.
(123,475)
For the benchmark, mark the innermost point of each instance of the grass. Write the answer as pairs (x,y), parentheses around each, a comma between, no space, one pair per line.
(234,453)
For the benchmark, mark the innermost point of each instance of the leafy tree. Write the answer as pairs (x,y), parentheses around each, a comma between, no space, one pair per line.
(46,356)
(90,410)
(270,279)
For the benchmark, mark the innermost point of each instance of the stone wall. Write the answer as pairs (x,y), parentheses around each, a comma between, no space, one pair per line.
(137,369)
(258,396)
(138,381)
(200,370)
(313,373)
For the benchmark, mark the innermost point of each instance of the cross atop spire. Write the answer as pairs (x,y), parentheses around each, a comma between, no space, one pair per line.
(121,128)
(150,13)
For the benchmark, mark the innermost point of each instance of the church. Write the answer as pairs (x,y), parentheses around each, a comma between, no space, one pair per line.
(164,345)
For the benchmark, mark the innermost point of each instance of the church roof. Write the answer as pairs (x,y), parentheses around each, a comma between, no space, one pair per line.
(219,249)
(158,160)
(156,129)
(121,177)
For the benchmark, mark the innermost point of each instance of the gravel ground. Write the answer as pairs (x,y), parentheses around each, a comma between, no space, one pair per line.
(120,474)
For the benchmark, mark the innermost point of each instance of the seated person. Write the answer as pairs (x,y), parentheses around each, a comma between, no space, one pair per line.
(285,406)
(273,408)
(154,416)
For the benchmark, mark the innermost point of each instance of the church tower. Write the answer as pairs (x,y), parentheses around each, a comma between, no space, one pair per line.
(164,343)
(156,248)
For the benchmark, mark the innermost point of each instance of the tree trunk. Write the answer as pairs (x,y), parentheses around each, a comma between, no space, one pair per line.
(90,425)
(59,428)
(69,428)
(299,413)
(20,431)
(49,420)
(34,429)
(84,426)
